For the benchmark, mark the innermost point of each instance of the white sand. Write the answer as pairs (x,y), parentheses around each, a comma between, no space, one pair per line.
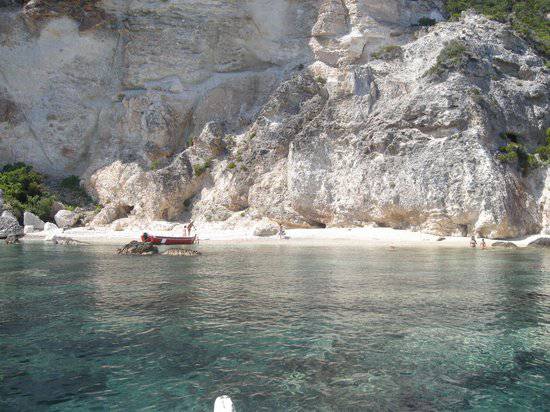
(368,236)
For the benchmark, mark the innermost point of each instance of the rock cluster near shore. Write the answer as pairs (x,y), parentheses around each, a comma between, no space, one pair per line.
(311,113)
(148,249)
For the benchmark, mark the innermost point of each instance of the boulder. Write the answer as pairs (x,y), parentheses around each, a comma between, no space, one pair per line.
(66,218)
(138,248)
(50,227)
(540,242)
(120,224)
(181,252)
(29,229)
(265,228)
(9,226)
(107,215)
(508,245)
(56,207)
(30,219)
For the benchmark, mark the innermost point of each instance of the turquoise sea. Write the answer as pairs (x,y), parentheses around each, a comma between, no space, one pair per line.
(287,328)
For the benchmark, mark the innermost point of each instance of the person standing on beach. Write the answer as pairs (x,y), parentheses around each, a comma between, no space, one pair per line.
(473,242)
(189,227)
(281,231)
(483,244)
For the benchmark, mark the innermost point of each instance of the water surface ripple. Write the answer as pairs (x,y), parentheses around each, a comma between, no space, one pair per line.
(276,328)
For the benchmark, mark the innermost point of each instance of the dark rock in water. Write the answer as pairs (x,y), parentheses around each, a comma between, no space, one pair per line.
(441,239)
(181,252)
(541,242)
(12,240)
(508,245)
(138,248)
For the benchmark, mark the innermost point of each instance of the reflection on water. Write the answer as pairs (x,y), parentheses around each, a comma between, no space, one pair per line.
(274,327)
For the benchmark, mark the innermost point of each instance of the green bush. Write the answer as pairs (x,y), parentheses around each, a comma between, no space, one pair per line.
(155,164)
(24,191)
(199,169)
(426,22)
(321,80)
(513,137)
(454,55)
(71,182)
(527,17)
(231,165)
(516,151)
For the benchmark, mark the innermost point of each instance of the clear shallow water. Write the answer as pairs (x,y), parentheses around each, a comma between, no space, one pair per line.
(274,327)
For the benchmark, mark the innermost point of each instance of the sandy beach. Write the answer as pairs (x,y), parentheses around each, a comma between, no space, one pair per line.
(366,236)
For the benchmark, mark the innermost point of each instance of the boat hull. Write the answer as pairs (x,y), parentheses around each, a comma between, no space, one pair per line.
(166,240)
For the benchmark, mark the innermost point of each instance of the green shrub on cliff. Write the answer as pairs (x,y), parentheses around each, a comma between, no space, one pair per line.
(454,55)
(24,191)
(199,169)
(515,151)
(527,17)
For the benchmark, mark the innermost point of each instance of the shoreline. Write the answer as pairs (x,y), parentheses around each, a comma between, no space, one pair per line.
(366,236)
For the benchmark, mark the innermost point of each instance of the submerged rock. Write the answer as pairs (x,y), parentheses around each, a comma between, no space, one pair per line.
(12,240)
(138,248)
(508,245)
(63,240)
(181,252)
(540,242)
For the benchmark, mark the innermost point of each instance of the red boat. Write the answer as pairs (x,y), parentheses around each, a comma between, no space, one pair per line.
(166,240)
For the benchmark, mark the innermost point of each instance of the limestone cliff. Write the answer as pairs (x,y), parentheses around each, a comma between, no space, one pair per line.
(333,112)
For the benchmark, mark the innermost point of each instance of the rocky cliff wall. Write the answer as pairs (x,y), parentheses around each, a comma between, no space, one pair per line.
(308,112)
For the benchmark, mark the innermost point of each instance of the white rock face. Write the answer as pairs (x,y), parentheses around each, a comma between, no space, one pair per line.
(29,229)
(50,227)
(30,219)
(282,109)
(66,218)
(9,226)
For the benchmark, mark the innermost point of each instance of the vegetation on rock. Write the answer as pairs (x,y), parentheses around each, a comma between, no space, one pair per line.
(24,191)
(454,56)
(199,169)
(515,151)
(527,17)
(426,22)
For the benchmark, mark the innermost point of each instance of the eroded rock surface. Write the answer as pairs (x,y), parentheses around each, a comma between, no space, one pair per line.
(138,248)
(9,226)
(311,113)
